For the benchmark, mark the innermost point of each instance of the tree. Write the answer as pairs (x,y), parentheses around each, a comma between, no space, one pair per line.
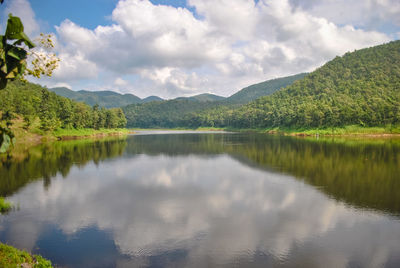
(15,47)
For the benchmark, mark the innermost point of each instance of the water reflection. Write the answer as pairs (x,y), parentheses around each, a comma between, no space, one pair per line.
(209,200)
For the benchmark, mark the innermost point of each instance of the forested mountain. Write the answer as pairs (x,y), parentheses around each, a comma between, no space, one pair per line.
(188,111)
(359,88)
(203,97)
(33,102)
(165,114)
(107,99)
(266,88)
(151,98)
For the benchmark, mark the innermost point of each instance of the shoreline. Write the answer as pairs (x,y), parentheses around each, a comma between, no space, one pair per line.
(346,131)
(94,135)
(349,131)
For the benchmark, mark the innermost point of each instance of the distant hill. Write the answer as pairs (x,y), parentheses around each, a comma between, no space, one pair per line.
(187,111)
(203,97)
(266,88)
(107,99)
(151,98)
(164,114)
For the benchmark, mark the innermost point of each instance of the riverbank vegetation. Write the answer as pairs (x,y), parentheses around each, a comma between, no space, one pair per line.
(33,113)
(5,206)
(12,257)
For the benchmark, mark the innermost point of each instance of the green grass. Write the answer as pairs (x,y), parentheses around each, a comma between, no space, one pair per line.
(89,132)
(5,206)
(12,257)
(335,131)
(181,128)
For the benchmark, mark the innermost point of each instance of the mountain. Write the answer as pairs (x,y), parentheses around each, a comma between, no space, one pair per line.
(360,88)
(205,97)
(151,98)
(164,114)
(253,92)
(107,99)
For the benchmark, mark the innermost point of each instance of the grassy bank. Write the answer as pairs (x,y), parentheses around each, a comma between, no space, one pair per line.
(353,130)
(89,132)
(32,134)
(180,129)
(12,257)
(5,206)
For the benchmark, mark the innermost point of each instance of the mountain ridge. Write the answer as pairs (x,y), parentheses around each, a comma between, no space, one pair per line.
(105,98)
(182,111)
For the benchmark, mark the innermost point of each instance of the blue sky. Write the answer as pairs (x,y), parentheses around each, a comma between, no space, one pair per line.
(83,12)
(181,48)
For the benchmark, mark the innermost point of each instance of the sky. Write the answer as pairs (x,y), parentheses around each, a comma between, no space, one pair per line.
(187,47)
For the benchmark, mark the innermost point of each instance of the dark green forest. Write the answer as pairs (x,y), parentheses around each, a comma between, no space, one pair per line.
(262,89)
(31,101)
(360,88)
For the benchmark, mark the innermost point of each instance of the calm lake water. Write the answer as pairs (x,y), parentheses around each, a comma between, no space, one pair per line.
(206,200)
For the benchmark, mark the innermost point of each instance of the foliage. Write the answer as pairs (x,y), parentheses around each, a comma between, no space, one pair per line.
(5,206)
(12,53)
(82,132)
(266,88)
(12,257)
(166,114)
(32,101)
(15,47)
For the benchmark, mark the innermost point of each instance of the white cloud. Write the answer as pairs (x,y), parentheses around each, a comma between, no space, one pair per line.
(228,45)
(62,85)
(369,13)
(119,82)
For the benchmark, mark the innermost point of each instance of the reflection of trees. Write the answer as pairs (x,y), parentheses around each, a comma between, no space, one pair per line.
(361,173)
(47,160)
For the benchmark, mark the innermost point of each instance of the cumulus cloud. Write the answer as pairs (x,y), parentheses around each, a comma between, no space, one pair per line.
(224,46)
(370,13)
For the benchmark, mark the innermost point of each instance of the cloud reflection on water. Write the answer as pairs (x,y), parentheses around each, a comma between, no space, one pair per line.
(215,210)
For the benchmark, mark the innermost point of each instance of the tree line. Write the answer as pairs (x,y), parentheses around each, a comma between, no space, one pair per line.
(32,102)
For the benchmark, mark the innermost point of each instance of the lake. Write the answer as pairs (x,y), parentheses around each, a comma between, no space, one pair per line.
(184,199)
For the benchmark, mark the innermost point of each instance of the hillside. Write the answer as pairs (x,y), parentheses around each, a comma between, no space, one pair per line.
(151,98)
(164,114)
(359,88)
(203,97)
(189,111)
(266,88)
(107,99)
(47,111)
